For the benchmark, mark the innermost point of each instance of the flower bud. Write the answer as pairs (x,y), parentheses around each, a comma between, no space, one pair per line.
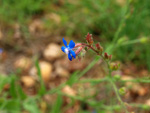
(99,47)
(89,39)
(144,40)
(77,45)
(106,56)
(114,66)
(78,50)
(122,91)
(110,57)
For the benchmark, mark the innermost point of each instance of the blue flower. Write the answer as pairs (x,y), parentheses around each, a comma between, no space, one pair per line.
(1,50)
(68,49)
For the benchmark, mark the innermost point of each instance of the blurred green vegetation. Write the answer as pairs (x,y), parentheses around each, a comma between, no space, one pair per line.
(99,17)
(122,27)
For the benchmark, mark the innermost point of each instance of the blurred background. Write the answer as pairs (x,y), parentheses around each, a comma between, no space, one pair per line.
(31,33)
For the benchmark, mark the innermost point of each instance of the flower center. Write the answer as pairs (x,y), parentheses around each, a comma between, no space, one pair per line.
(66,50)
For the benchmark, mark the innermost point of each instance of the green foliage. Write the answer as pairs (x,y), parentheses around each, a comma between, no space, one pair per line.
(57,105)
(136,26)
(3,80)
(12,106)
(31,105)
(99,17)
(73,79)
(19,9)
(42,88)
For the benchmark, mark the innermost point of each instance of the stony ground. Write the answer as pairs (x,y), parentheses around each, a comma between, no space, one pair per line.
(19,58)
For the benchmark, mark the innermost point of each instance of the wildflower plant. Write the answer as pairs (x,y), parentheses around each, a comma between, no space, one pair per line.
(78,50)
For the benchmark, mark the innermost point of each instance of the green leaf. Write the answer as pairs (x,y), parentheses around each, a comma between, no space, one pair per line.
(13,91)
(12,106)
(3,80)
(57,106)
(73,78)
(31,106)
(21,93)
(42,89)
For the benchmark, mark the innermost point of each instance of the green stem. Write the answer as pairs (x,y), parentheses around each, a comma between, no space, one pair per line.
(117,94)
(93,80)
(121,25)
(138,80)
(115,88)
(91,47)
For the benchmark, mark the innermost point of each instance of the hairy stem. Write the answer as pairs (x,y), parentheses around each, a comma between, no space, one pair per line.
(115,88)
(109,75)
(91,47)
(117,94)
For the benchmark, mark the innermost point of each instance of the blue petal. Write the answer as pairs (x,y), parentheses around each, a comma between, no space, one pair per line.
(71,44)
(1,50)
(63,49)
(65,42)
(70,57)
(73,53)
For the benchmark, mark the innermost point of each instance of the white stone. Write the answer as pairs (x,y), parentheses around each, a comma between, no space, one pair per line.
(46,70)
(53,52)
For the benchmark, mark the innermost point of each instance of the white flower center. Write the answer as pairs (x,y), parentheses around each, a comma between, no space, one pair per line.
(66,50)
